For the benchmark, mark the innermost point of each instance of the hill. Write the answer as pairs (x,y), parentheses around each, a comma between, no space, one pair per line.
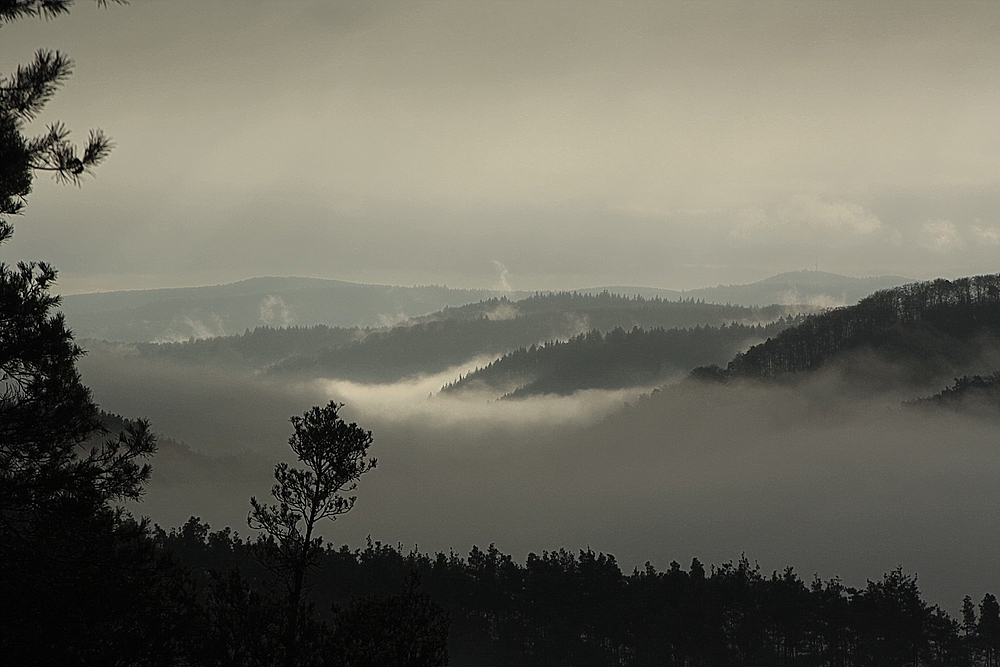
(452,336)
(618,360)
(815,288)
(977,395)
(606,310)
(928,330)
(178,314)
(163,315)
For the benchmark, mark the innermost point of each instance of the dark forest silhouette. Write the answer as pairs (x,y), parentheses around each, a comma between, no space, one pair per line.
(84,583)
(560,608)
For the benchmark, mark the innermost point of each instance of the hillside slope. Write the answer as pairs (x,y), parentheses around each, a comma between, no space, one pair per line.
(618,360)
(451,336)
(815,288)
(929,330)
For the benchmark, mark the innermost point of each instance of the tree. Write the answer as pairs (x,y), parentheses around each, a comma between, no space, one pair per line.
(46,414)
(16,9)
(23,95)
(988,630)
(77,574)
(336,455)
(406,629)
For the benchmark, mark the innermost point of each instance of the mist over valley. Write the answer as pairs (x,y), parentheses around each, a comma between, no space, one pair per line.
(828,470)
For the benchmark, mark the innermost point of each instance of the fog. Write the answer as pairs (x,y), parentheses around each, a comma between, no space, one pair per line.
(822,476)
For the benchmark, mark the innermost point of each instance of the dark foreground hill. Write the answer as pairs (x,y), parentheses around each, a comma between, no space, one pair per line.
(927,331)
(564,608)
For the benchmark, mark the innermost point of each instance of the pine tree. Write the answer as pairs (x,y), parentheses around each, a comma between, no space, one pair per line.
(78,576)
(336,455)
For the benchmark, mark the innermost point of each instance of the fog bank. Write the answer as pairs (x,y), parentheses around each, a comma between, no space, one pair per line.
(816,476)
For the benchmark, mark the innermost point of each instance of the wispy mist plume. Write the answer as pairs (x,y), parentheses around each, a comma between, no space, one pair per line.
(505,311)
(186,328)
(503,283)
(274,312)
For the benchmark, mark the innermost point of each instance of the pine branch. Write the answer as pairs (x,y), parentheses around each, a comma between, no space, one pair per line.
(11,10)
(34,84)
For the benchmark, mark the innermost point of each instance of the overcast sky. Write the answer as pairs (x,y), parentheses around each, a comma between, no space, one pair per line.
(559,144)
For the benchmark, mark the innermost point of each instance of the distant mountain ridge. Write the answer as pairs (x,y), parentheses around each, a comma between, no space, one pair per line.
(176,314)
(814,288)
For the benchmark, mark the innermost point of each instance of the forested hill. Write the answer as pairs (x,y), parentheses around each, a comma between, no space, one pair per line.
(495,327)
(935,327)
(606,310)
(977,394)
(254,350)
(179,314)
(618,360)
(431,344)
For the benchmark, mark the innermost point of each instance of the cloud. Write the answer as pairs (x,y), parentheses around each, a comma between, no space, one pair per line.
(941,235)
(418,399)
(986,235)
(505,311)
(808,219)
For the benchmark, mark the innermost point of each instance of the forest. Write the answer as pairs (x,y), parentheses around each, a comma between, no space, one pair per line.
(435,342)
(86,580)
(619,359)
(561,608)
(942,323)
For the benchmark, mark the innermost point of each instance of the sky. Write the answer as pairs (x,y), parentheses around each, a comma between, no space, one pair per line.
(523,145)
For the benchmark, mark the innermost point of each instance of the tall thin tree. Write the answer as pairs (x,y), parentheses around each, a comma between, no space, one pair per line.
(335,454)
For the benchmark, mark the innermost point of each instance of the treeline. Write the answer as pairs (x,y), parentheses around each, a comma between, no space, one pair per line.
(939,322)
(969,393)
(560,608)
(434,343)
(649,311)
(255,349)
(619,359)
(428,347)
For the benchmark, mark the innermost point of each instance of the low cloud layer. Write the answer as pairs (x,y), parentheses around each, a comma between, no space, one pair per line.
(815,476)
(669,144)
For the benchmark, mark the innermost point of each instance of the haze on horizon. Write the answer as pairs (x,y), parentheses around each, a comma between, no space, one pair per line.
(552,145)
